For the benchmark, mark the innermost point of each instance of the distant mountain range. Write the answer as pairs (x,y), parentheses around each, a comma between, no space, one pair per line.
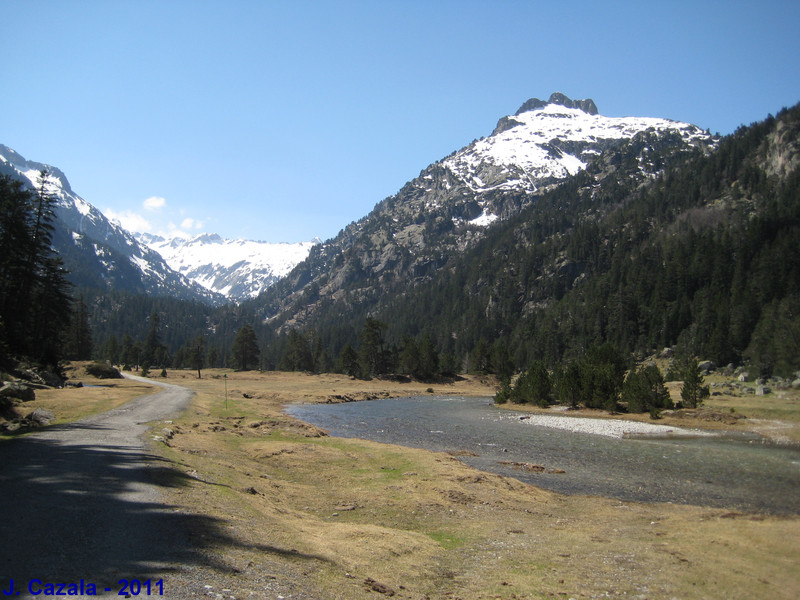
(99,254)
(561,229)
(237,269)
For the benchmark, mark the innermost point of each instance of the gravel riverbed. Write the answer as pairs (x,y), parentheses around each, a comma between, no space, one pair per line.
(609,427)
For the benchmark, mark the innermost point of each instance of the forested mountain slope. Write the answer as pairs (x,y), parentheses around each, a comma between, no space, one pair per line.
(707,258)
(410,237)
(97,253)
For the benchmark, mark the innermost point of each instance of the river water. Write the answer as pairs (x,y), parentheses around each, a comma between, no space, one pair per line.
(731,471)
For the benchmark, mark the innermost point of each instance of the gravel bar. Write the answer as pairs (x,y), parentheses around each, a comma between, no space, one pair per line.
(616,428)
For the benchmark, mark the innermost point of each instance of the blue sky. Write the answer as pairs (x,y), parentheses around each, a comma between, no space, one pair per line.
(283,121)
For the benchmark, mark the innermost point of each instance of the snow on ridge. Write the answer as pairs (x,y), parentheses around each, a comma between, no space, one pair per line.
(534,144)
(282,257)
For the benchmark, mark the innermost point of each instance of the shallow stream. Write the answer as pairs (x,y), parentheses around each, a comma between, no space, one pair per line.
(731,471)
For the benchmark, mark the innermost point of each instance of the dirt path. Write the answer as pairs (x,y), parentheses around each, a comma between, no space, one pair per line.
(80,502)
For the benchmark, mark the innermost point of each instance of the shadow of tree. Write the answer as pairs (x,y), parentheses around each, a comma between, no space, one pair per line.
(70,510)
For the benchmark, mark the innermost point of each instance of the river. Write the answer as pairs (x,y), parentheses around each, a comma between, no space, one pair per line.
(740,472)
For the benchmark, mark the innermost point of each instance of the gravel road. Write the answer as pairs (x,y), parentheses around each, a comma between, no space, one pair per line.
(80,501)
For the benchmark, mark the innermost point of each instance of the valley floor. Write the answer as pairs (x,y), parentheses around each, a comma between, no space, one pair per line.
(304,515)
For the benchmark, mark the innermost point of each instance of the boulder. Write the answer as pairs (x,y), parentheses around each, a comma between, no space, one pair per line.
(707,366)
(762,390)
(744,376)
(667,353)
(43,377)
(41,416)
(20,391)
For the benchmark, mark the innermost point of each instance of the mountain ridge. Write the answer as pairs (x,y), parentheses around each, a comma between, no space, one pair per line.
(411,235)
(98,253)
(238,269)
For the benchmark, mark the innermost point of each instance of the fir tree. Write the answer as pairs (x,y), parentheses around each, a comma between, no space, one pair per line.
(197,354)
(693,391)
(35,296)
(245,349)
(348,361)
(79,336)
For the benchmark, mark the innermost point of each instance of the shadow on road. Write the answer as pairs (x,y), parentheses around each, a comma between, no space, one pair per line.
(71,510)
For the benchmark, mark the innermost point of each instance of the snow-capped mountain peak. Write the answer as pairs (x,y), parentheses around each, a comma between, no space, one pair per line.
(238,269)
(547,141)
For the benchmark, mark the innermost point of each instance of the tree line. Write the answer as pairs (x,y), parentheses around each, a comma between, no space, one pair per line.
(36,304)
(604,378)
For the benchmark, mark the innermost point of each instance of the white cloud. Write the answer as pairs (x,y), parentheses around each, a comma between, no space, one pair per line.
(129,220)
(154,203)
(190,223)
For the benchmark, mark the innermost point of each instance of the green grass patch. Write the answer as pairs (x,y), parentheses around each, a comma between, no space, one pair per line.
(446,539)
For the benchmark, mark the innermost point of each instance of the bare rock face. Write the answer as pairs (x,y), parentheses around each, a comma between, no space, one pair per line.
(588,106)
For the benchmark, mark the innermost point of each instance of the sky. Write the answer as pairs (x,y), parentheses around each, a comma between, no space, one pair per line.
(285,121)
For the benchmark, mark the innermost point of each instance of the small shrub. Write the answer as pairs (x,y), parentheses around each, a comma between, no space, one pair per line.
(503,394)
(102,370)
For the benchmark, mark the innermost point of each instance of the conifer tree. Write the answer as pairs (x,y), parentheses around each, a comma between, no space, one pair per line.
(298,355)
(35,302)
(372,356)
(154,352)
(693,391)
(348,361)
(197,354)
(245,348)
(79,337)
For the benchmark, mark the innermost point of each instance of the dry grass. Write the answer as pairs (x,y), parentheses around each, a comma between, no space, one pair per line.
(354,515)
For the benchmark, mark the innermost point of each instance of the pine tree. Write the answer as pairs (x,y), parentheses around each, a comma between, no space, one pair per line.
(35,302)
(245,349)
(348,361)
(409,356)
(644,391)
(154,353)
(298,355)
(534,386)
(693,391)
(372,355)
(111,350)
(428,359)
(213,357)
(79,336)
(197,354)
